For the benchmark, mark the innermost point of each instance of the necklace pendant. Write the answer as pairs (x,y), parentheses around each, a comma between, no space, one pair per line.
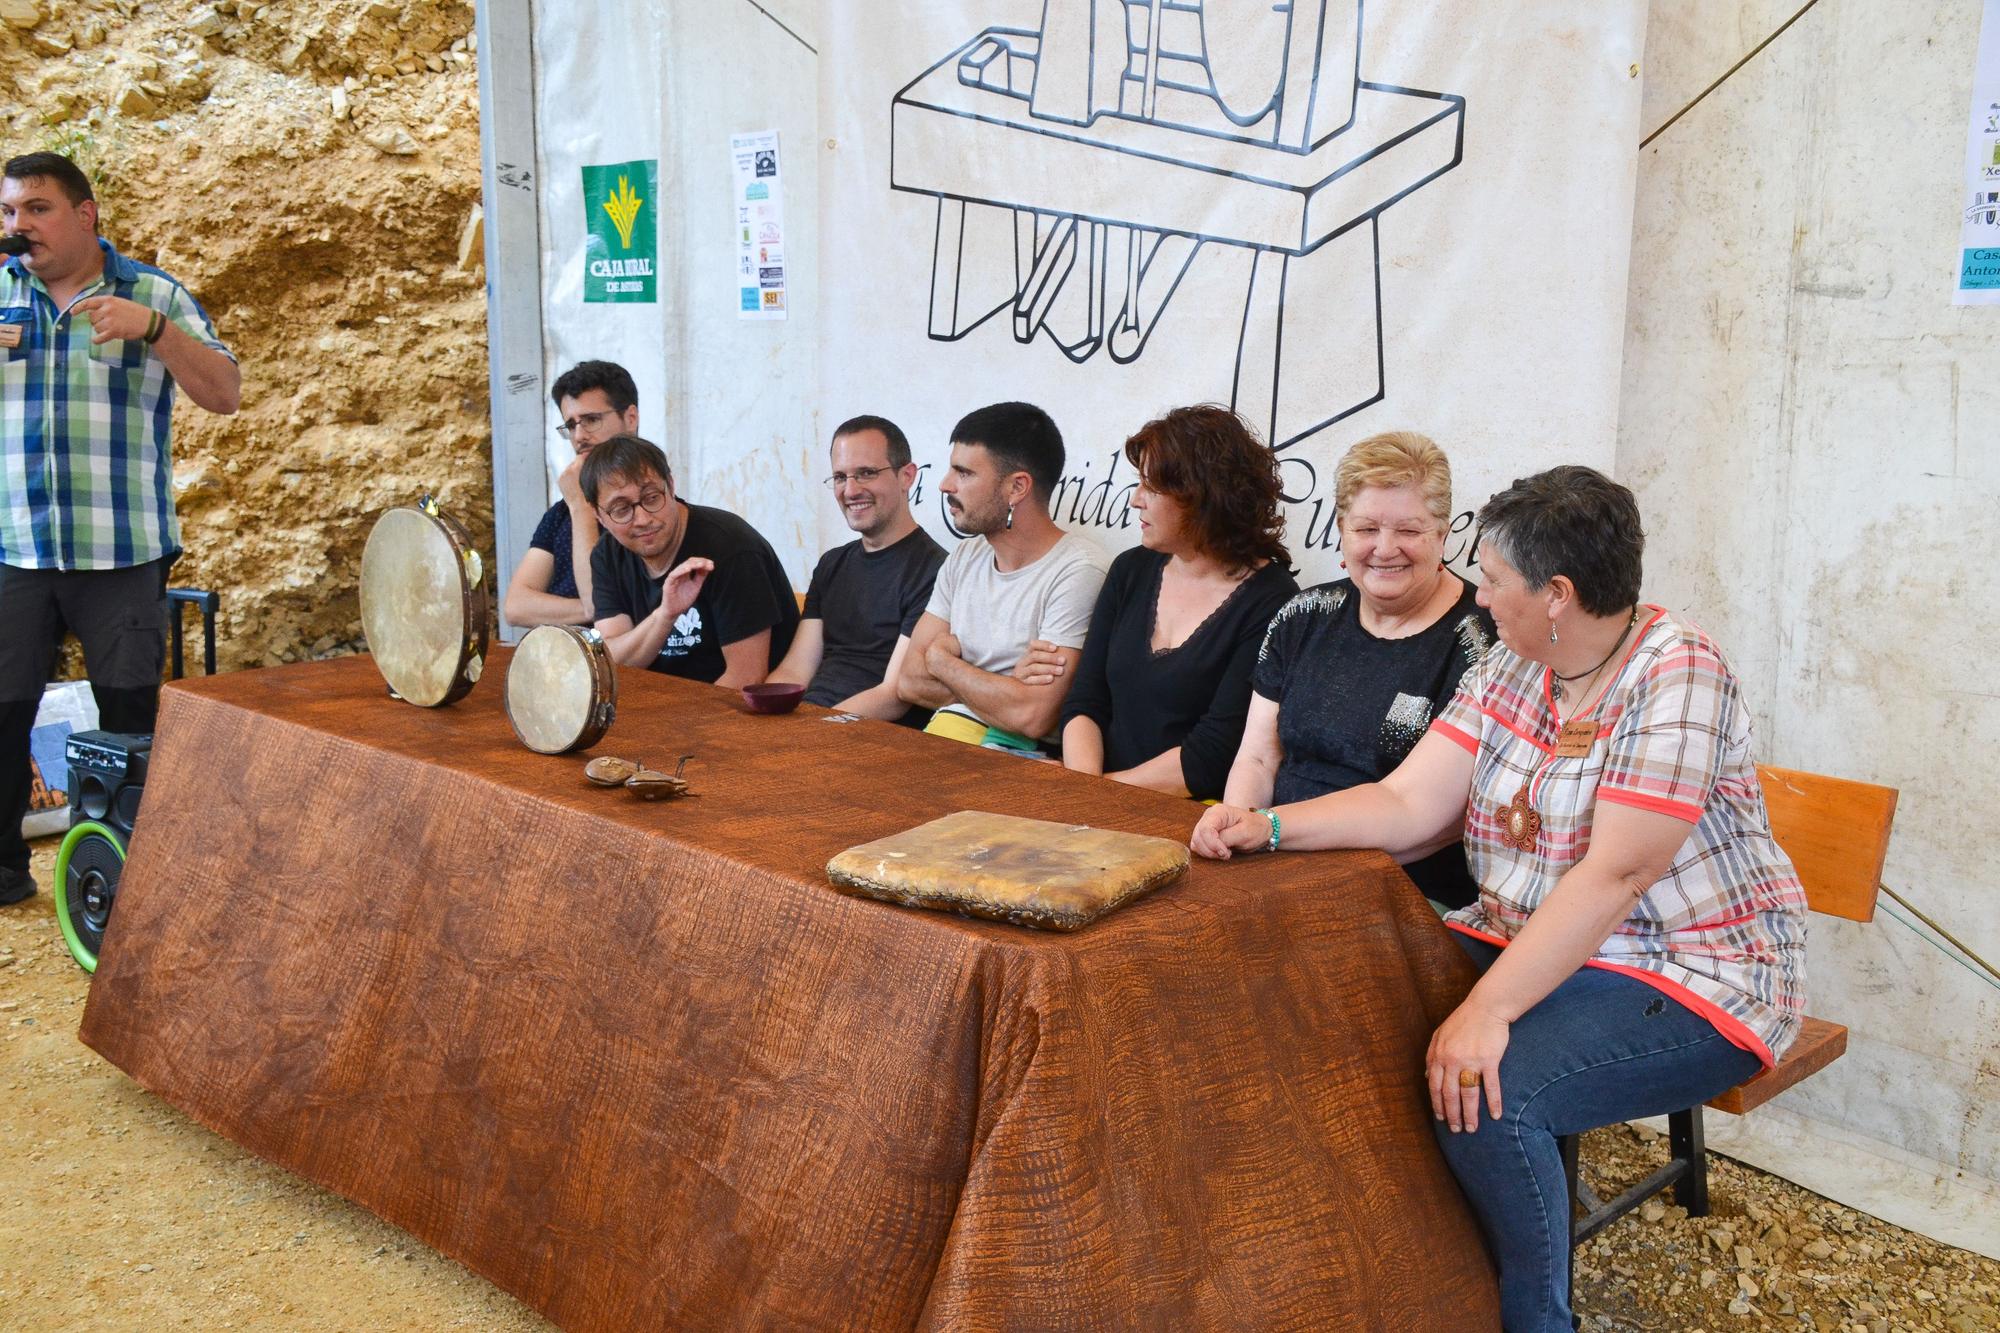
(1520,823)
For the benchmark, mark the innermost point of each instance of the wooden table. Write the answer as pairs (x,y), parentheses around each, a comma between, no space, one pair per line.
(638,1065)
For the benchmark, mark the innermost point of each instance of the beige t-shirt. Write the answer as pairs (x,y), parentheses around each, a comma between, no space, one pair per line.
(996,616)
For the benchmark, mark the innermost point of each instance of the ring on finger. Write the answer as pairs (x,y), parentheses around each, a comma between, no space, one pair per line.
(1468,1078)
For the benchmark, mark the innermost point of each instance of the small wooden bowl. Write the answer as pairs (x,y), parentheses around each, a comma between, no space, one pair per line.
(773,698)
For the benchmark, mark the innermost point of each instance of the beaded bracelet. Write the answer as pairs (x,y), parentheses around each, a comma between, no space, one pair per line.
(1271,815)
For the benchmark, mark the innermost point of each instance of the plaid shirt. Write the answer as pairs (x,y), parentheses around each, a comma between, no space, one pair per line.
(1723,931)
(86,481)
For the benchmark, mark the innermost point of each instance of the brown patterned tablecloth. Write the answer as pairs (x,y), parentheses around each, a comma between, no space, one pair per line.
(640,1066)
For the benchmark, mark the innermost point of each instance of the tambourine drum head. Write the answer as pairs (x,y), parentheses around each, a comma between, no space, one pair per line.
(413,605)
(549,696)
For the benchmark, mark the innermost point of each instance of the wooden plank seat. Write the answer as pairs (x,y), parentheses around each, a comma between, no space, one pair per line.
(1837,834)
(1818,1045)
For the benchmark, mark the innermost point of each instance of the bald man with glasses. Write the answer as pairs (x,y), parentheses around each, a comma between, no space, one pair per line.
(683,589)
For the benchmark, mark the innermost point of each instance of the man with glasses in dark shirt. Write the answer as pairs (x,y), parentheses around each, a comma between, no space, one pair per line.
(866,597)
(595,400)
(680,588)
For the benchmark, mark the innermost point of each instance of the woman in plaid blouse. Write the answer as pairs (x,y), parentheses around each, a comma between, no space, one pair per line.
(1640,934)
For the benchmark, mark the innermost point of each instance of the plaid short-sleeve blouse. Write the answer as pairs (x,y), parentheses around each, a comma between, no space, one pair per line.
(1723,931)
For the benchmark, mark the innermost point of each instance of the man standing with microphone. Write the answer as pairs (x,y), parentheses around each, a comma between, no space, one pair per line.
(92,346)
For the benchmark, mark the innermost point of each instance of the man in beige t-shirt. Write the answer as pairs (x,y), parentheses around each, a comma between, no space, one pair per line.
(1016,578)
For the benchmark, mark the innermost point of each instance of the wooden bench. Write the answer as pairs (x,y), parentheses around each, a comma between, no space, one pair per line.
(1837,835)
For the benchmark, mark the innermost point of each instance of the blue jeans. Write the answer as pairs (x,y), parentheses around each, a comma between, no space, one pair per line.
(1601,1048)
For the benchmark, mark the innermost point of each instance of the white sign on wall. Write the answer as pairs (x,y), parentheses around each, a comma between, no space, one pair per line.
(1979,224)
(759,226)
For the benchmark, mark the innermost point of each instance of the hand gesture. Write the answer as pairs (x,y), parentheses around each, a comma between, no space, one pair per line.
(1042,664)
(1464,1058)
(115,317)
(1225,830)
(570,483)
(683,585)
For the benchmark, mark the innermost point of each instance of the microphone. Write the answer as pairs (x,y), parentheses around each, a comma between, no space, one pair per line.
(13,244)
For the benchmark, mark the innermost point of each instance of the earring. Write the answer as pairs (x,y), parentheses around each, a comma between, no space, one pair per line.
(1343,564)
(1010,518)
(1552,631)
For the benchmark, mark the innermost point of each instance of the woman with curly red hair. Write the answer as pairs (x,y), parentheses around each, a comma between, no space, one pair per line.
(1163,686)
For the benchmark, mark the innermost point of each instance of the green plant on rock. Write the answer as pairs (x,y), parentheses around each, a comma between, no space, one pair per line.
(80,145)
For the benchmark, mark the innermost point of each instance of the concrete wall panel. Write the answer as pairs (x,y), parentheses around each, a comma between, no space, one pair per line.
(1808,422)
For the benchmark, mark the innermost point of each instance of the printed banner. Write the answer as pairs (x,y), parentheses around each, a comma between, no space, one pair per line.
(760,225)
(1336,218)
(1979,226)
(622,237)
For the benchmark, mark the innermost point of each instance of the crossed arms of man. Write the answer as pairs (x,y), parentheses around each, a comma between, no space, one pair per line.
(1027,701)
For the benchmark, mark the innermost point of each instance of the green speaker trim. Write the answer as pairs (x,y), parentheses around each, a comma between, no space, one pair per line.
(85,957)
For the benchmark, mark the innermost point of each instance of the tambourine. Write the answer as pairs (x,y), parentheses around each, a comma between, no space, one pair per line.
(423,604)
(562,689)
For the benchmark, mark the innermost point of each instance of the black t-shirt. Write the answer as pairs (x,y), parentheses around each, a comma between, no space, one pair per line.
(865,601)
(747,592)
(1195,696)
(553,535)
(1352,706)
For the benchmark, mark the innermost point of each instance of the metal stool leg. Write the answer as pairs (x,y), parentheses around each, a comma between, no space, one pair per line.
(1570,1144)
(1684,1139)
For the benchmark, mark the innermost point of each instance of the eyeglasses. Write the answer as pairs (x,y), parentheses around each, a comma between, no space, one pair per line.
(582,421)
(864,475)
(652,500)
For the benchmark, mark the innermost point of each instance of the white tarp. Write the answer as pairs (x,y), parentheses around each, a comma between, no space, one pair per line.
(731,401)
(1409,216)
(599,93)
(1337,221)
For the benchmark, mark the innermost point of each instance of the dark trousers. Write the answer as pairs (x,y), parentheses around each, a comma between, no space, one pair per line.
(120,617)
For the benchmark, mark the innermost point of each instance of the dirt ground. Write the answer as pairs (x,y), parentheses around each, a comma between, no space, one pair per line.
(118,1212)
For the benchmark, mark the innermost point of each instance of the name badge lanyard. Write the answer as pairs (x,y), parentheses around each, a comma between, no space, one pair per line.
(1520,821)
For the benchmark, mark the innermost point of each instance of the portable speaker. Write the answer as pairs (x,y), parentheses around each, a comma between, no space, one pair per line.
(107,775)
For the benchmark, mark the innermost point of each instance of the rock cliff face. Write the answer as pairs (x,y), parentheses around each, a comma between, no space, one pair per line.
(311,173)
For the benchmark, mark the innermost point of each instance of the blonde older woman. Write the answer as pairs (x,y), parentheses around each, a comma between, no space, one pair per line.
(1350,672)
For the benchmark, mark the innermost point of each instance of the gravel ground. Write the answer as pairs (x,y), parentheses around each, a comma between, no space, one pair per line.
(118,1212)
(1768,1255)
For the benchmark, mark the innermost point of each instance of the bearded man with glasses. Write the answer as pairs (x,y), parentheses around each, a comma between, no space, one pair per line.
(866,597)
(679,588)
(594,400)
